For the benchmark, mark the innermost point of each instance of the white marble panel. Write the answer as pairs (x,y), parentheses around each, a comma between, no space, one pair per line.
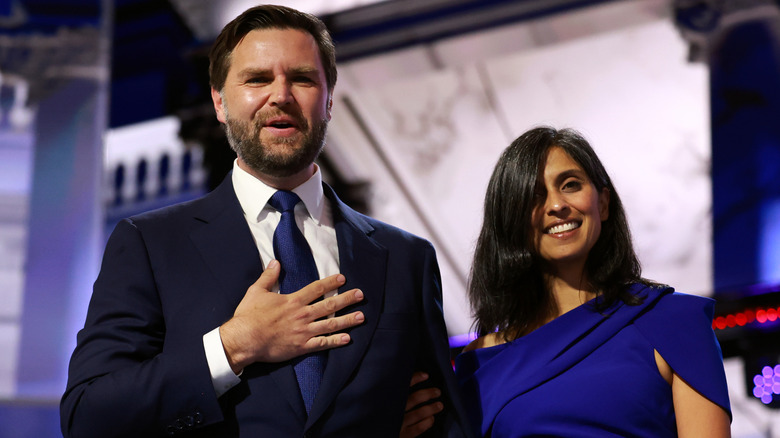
(421,161)
(353,150)
(441,136)
(506,40)
(644,109)
(376,71)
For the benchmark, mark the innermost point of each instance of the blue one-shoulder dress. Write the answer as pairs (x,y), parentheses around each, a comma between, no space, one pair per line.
(591,373)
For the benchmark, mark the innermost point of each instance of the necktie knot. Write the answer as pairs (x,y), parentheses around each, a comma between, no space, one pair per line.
(284,201)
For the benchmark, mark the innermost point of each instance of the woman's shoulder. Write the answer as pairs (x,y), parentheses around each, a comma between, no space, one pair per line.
(488,340)
(679,328)
(662,297)
(677,304)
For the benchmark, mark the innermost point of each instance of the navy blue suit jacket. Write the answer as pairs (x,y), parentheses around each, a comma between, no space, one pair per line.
(171,275)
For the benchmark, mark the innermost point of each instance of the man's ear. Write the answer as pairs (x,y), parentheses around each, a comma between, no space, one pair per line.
(219,105)
(330,106)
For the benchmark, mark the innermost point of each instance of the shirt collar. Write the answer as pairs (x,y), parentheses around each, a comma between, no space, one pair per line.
(253,194)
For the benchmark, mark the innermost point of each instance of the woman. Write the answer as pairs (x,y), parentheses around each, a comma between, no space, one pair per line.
(573,341)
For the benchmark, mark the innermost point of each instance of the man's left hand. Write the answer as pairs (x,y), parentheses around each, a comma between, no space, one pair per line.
(419,415)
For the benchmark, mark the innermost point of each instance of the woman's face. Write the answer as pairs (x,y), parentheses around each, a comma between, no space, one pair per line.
(567,218)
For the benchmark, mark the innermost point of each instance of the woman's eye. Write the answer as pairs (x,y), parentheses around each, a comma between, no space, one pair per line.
(572,185)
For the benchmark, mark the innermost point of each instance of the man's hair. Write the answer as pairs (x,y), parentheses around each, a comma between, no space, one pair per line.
(506,288)
(269,17)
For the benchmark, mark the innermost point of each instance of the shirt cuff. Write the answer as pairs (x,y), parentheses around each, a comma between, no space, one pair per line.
(222,376)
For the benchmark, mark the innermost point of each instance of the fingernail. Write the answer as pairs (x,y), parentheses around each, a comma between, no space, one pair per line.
(345,339)
(272,264)
(359,294)
(341,278)
(439,406)
(437,392)
(359,317)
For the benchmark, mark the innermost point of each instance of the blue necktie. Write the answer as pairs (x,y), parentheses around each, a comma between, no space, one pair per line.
(298,270)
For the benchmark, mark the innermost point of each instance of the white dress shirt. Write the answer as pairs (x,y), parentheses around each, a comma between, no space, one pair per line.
(314,218)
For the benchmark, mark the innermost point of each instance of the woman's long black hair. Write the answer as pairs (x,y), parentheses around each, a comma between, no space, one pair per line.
(506,288)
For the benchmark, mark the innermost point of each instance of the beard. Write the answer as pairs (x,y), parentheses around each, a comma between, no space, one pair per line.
(280,157)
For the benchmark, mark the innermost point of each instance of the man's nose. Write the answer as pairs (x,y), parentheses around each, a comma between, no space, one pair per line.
(281,93)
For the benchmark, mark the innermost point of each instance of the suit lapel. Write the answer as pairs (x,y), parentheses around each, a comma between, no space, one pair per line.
(362,261)
(224,241)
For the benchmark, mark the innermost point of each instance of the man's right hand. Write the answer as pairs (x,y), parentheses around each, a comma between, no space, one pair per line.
(272,327)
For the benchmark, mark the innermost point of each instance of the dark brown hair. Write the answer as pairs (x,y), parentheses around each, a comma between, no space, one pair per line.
(269,17)
(506,287)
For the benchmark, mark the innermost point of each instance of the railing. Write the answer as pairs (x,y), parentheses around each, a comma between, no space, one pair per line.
(148,166)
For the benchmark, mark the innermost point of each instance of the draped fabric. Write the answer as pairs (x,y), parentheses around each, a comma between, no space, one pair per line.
(591,373)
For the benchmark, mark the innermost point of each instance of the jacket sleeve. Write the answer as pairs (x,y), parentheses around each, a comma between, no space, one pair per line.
(450,422)
(126,377)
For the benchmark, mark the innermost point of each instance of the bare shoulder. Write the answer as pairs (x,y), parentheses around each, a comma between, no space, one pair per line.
(489,340)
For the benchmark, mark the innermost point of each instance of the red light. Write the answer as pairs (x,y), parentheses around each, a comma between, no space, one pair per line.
(746,317)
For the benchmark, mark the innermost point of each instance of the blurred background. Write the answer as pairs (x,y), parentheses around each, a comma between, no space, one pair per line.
(105,112)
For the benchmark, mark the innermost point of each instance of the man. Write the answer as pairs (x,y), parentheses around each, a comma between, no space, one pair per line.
(183,337)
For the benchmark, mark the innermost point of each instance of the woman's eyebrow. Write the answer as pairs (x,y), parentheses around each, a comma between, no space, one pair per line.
(576,173)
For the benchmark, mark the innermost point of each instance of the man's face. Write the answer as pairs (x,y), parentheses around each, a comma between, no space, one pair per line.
(275,102)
